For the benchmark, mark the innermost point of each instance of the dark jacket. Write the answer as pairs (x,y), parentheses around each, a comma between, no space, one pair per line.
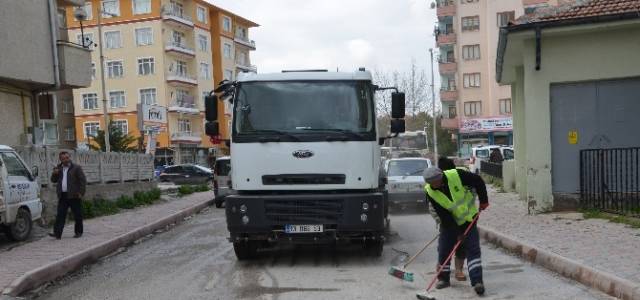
(76,181)
(468,180)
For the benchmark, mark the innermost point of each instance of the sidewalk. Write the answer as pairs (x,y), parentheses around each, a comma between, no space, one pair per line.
(603,246)
(47,251)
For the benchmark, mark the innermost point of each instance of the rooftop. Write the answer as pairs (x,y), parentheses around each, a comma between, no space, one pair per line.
(579,9)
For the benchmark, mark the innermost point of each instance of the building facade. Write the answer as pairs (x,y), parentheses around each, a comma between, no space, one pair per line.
(475,108)
(160,60)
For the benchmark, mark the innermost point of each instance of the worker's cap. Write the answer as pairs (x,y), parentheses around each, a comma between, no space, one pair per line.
(432,174)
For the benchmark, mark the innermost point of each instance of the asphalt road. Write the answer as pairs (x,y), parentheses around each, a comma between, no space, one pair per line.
(194,261)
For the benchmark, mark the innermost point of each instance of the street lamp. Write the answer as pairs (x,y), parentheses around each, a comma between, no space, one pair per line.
(107,139)
(433,98)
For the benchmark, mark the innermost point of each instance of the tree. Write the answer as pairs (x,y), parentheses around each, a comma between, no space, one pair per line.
(119,141)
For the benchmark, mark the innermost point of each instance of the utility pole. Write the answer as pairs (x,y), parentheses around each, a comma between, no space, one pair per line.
(433,111)
(107,140)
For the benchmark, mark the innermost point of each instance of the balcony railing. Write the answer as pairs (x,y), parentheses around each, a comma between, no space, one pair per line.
(184,105)
(449,94)
(446,8)
(180,48)
(246,67)
(449,123)
(245,41)
(449,67)
(174,15)
(181,78)
(446,37)
(186,136)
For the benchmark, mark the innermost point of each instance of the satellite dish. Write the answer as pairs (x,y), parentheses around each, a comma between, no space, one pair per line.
(433,5)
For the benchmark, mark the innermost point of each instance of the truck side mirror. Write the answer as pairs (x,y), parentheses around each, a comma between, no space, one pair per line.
(397,126)
(211,128)
(397,106)
(211,108)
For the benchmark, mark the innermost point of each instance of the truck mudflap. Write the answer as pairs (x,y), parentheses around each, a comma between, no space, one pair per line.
(273,218)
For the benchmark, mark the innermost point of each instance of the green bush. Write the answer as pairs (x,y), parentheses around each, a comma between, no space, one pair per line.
(125,202)
(101,207)
(202,188)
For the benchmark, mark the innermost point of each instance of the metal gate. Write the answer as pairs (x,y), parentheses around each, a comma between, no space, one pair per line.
(610,180)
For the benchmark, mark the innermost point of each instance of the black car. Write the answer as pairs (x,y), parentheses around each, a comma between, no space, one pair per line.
(186,174)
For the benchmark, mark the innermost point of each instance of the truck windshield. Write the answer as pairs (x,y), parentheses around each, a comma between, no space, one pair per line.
(305,108)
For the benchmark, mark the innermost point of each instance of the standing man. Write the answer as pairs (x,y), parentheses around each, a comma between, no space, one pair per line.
(70,187)
(450,195)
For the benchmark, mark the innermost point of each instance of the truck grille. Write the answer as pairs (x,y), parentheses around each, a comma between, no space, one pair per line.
(293,179)
(282,212)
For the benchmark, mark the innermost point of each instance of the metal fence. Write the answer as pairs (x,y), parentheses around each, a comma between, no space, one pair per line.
(492,169)
(610,180)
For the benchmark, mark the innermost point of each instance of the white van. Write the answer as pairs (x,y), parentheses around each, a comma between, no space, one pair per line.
(20,203)
(481,153)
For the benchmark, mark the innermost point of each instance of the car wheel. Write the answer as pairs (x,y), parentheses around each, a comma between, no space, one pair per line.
(21,228)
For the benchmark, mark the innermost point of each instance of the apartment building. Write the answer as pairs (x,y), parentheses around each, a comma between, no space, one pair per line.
(474,107)
(161,57)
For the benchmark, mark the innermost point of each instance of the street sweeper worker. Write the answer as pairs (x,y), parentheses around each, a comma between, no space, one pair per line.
(450,195)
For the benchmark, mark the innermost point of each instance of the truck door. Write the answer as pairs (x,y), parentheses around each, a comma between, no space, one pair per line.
(20,187)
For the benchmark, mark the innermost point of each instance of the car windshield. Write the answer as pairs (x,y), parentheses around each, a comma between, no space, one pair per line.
(409,167)
(304,107)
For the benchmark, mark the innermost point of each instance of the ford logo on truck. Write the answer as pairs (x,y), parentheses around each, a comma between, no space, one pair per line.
(302,153)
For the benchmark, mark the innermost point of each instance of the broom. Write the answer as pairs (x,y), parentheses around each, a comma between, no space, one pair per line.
(400,272)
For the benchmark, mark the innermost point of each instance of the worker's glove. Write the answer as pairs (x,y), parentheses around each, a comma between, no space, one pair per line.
(484,206)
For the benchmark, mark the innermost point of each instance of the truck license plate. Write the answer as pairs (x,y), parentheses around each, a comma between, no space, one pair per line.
(302,228)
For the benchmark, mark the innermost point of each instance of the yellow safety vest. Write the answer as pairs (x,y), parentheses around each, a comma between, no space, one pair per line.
(461,204)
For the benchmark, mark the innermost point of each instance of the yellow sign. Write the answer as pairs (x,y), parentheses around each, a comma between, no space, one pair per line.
(573,137)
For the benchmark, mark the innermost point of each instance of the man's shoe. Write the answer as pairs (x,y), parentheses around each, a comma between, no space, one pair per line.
(77,235)
(442,284)
(53,235)
(479,288)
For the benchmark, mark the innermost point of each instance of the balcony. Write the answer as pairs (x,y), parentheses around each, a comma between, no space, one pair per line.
(448,66)
(449,123)
(75,65)
(446,38)
(181,79)
(186,137)
(186,105)
(179,49)
(446,8)
(251,44)
(450,94)
(246,67)
(176,17)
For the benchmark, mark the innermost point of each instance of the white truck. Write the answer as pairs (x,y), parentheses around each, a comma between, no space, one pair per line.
(305,155)
(20,203)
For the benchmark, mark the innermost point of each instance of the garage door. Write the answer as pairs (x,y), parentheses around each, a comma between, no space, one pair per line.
(591,115)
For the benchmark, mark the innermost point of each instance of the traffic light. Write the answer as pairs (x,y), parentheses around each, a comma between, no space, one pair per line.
(211,128)
(211,108)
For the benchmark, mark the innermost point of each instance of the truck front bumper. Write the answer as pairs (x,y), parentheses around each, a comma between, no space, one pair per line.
(344,216)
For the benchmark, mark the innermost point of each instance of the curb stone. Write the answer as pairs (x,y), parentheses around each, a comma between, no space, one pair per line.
(593,278)
(51,271)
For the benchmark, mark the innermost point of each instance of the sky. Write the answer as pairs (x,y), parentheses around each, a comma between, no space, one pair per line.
(338,34)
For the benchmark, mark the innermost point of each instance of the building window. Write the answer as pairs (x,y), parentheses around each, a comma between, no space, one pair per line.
(473,108)
(203,42)
(242,58)
(50,129)
(88,40)
(453,112)
(471,80)
(88,9)
(532,9)
(91,129)
(226,24)
(227,50)
(181,68)
(184,125)
(228,74)
(93,71)
(144,36)
(201,14)
(471,52)
(110,8)
(177,9)
(69,134)
(148,96)
(468,1)
(67,106)
(146,66)
(505,106)
(115,69)
(90,101)
(112,40)
(116,98)
(471,23)
(204,71)
(141,7)
(121,125)
(448,83)
(505,17)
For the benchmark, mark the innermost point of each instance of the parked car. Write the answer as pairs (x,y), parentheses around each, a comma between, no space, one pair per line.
(481,153)
(20,203)
(222,183)
(405,181)
(187,174)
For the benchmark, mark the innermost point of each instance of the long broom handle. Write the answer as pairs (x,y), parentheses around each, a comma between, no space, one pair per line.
(464,236)
(420,252)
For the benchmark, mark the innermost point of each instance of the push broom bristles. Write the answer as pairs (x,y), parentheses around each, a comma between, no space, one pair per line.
(400,273)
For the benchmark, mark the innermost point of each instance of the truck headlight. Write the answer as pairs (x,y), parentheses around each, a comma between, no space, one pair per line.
(245,220)
(365,206)
(363,218)
(243,208)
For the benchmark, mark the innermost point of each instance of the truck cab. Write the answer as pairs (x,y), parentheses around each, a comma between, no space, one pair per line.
(305,156)
(20,203)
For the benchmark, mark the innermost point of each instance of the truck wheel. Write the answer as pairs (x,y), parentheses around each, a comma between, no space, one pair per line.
(21,228)
(374,247)
(245,250)
(219,202)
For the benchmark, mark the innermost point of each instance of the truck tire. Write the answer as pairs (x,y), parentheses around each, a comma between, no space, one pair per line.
(245,250)
(219,202)
(374,247)
(21,228)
